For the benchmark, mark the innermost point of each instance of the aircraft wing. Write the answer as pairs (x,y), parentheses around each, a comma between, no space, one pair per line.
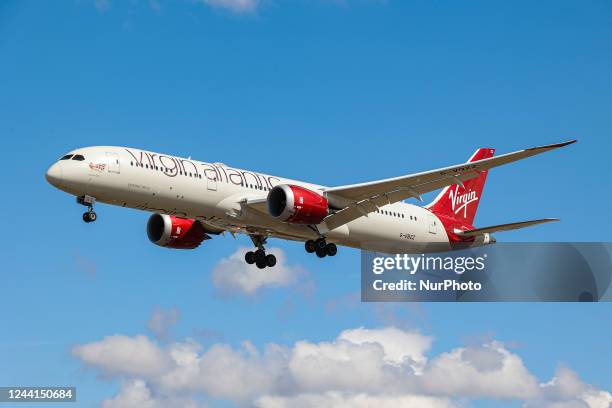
(359,200)
(503,227)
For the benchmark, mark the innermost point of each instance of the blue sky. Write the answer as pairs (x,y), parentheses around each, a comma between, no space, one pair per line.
(332,92)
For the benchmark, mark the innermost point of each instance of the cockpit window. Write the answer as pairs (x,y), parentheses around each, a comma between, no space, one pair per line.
(66,157)
(78,157)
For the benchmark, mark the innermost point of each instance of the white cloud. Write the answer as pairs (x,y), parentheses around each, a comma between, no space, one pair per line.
(359,360)
(162,320)
(567,390)
(340,400)
(472,372)
(136,394)
(236,6)
(237,374)
(123,355)
(361,367)
(339,365)
(234,275)
(400,346)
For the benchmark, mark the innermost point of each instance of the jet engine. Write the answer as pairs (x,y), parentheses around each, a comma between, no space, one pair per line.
(174,232)
(297,204)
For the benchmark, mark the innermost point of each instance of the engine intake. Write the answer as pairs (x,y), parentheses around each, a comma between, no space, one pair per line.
(297,204)
(173,232)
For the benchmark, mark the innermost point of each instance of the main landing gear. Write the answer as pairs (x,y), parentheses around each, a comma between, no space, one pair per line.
(321,247)
(259,257)
(88,201)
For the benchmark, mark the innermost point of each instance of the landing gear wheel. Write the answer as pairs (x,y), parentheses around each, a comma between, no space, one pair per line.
(89,216)
(321,252)
(310,246)
(331,249)
(261,263)
(320,243)
(260,255)
(270,260)
(249,257)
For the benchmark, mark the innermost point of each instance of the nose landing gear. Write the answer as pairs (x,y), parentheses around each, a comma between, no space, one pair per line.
(90,216)
(259,257)
(88,201)
(321,247)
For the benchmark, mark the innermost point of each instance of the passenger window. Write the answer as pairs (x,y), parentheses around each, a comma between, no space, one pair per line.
(78,157)
(66,157)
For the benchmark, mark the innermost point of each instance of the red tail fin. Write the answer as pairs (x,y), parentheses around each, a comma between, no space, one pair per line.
(460,203)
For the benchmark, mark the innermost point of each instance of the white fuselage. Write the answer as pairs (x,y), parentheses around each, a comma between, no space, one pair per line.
(212,193)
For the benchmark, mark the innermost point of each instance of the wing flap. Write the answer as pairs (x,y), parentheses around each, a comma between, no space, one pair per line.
(258,204)
(503,227)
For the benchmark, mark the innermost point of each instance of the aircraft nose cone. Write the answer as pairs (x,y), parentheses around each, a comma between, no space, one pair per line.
(54,174)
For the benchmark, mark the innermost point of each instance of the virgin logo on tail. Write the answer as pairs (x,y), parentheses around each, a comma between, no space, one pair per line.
(461,201)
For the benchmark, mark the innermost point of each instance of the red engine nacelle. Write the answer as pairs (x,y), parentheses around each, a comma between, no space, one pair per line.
(297,205)
(174,232)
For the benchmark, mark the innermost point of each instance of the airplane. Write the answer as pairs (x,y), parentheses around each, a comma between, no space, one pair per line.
(192,200)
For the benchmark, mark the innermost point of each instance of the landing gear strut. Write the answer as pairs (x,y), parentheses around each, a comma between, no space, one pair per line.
(259,257)
(321,247)
(88,201)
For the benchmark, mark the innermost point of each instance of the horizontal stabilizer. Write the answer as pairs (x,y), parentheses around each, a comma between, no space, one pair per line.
(503,227)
